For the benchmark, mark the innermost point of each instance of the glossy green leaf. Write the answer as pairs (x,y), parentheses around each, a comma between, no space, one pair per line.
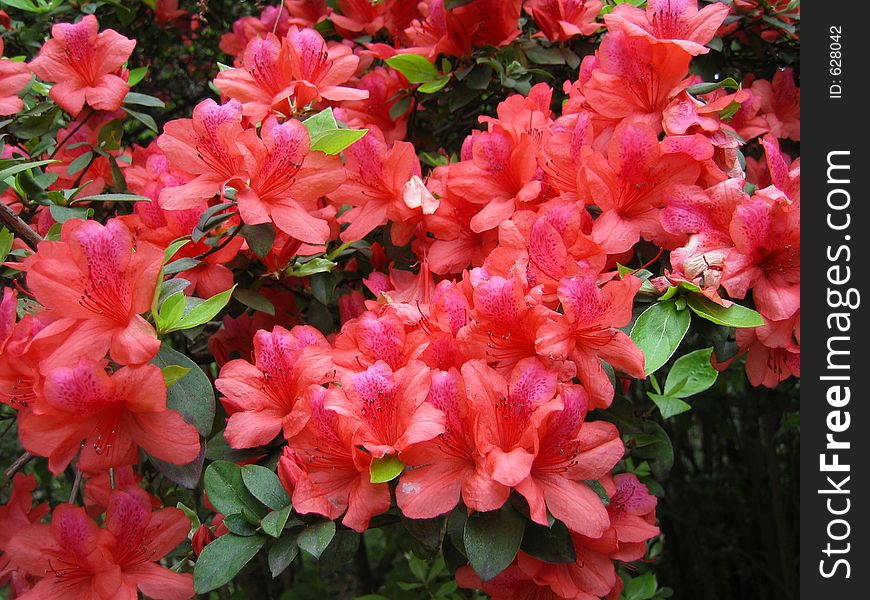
(222,560)
(143,100)
(415,68)
(333,142)
(273,523)
(549,544)
(315,538)
(6,239)
(691,374)
(282,552)
(228,493)
(492,540)
(264,484)
(173,373)
(192,395)
(386,469)
(733,316)
(204,312)
(669,405)
(658,332)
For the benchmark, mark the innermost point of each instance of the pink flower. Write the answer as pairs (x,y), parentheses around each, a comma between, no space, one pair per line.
(560,20)
(677,22)
(95,283)
(84,65)
(205,147)
(325,471)
(14,77)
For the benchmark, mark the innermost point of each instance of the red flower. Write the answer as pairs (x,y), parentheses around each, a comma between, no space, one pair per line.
(629,184)
(507,414)
(84,65)
(77,559)
(107,417)
(14,77)
(677,22)
(570,453)
(635,78)
(17,514)
(450,465)
(325,471)
(389,406)
(205,147)
(265,397)
(95,283)
(586,331)
(560,20)
(781,104)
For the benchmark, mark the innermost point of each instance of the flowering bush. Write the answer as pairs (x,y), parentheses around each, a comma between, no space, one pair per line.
(448,266)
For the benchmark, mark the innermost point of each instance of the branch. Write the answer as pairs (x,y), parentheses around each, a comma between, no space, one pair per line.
(21,229)
(19,462)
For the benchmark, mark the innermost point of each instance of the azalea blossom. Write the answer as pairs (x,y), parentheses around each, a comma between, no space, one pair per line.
(560,20)
(85,65)
(107,417)
(76,558)
(94,284)
(286,180)
(677,22)
(326,473)
(14,77)
(265,396)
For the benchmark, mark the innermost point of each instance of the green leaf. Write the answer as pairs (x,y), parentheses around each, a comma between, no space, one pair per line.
(203,313)
(430,87)
(239,525)
(187,476)
(14,169)
(260,237)
(264,484)
(415,68)
(6,239)
(113,198)
(192,395)
(654,445)
(191,516)
(333,142)
(316,537)
(147,120)
(310,267)
(691,374)
(274,522)
(182,264)
(173,373)
(386,469)
(669,405)
(137,75)
(79,163)
(320,123)
(340,552)
(222,560)
(173,248)
(252,299)
(143,100)
(733,316)
(62,214)
(549,544)
(170,311)
(642,587)
(227,492)
(326,136)
(282,552)
(658,331)
(705,88)
(492,540)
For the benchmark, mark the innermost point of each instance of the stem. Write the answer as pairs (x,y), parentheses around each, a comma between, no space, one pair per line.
(222,245)
(72,133)
(75,487)
(112,477)
(20,462)
(21,229)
